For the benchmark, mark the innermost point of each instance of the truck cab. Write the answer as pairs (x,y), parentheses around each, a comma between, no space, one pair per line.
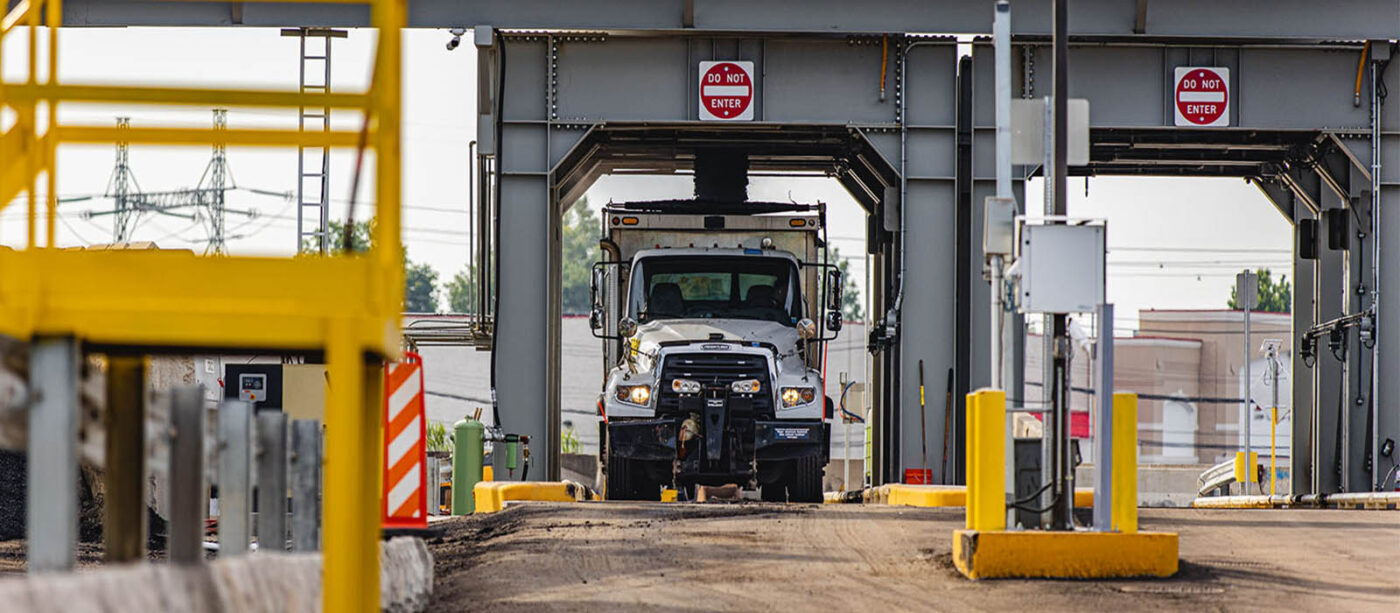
(712,354)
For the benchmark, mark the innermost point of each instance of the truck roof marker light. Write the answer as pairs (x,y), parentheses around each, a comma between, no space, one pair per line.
(630,221)
(797,222)
(616,220)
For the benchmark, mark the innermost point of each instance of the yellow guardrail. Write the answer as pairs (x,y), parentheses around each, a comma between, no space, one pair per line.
(346,306)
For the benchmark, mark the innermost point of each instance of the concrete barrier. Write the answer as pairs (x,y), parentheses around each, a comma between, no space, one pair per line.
(260,582)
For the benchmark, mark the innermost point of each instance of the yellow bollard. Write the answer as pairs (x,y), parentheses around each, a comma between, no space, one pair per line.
(1124,506)
(1273,449)
(986,460)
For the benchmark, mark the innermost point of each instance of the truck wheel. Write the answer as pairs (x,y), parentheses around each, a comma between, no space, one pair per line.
(806,483)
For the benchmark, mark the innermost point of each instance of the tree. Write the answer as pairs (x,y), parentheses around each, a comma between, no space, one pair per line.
(461,290)
(850,296)
(420,288)
(420,280)
(579,251)
(1274,297)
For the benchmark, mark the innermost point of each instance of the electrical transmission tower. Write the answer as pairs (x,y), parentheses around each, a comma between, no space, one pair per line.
(215,182)
(205,202)
(120,187)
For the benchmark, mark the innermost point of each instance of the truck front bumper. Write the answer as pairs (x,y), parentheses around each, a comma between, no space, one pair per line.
(655,439)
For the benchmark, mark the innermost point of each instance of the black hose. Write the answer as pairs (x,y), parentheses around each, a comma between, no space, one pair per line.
(496,226)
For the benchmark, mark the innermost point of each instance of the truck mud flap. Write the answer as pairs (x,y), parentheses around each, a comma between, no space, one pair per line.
(644,440)
(782,440)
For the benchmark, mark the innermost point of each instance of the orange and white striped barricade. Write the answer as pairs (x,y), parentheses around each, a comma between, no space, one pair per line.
(405,499)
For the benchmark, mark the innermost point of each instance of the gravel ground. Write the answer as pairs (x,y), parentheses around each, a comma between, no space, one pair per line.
(762,557)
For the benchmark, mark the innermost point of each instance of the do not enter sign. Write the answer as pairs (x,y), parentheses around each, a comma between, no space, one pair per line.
(726,91)
(1202,96)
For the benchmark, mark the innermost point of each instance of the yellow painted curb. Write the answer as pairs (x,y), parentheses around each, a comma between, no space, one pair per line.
(926,495)
(491,496)
(1064,555)
(900,494)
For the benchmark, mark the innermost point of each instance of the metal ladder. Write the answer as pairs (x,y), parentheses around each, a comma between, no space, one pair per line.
(313,163)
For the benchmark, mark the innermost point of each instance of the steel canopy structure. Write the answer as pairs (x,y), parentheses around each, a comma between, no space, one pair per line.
(570,91)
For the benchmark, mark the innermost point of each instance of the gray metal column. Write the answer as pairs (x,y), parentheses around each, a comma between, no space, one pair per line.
(52,505)
(189,501)
(1328,392)
(1304,274)
(928,286)
(984,148)
(1103,421)
(1358,300)
(272,481)
(235,464)
(527,326)
(1387,397)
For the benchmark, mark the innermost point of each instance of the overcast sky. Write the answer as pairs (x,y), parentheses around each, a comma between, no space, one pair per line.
(1174,243)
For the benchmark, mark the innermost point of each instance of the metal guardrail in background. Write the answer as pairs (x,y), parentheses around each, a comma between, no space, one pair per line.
(60,301)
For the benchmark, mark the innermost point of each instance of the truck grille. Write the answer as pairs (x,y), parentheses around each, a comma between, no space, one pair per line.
(714,369)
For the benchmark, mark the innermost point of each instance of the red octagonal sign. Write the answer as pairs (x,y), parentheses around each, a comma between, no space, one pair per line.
(726,91)
(1202,96)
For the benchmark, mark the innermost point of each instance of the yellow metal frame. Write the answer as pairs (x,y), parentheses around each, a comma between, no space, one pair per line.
(347,306)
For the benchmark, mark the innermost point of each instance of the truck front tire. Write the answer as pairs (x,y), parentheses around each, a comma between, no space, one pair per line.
(806,483)
(626,479)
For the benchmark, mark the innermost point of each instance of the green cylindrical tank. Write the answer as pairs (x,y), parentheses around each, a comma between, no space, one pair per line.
(468,454)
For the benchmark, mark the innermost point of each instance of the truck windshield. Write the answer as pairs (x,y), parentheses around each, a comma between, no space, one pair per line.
(706,287)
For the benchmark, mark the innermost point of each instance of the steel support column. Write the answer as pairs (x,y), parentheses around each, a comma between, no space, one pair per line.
(526,349)
(1387,175)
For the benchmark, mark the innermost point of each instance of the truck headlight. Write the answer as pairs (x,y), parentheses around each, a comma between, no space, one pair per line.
(793,396)
(745,386)
(634,394)
(685,386)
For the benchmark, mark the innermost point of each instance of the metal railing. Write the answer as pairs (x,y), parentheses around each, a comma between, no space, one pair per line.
(139,302)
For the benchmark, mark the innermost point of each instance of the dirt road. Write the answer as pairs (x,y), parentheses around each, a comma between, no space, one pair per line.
(763,557)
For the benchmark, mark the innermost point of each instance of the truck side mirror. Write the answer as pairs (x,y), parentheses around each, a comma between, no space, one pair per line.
(835,285)
(833,320)
(835,289)
(595,318)
(595,285)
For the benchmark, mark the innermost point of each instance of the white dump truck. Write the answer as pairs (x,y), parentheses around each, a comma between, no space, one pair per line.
(712,354)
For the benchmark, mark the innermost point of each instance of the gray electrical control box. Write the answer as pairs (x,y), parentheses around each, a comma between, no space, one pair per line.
(1062,268)
(998,226)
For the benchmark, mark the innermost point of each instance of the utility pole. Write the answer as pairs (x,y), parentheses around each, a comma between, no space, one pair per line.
(1247,296)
